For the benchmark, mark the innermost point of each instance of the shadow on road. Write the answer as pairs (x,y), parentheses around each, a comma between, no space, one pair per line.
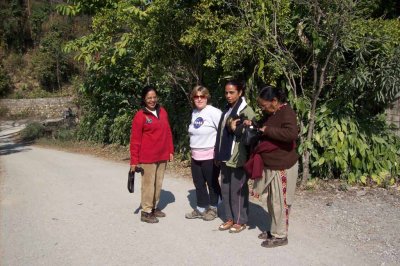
(259,218)
(166,197)
(7,149)
(192,198)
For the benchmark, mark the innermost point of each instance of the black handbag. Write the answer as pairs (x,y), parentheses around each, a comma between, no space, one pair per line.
(250,135)
(131,181)
(131,178)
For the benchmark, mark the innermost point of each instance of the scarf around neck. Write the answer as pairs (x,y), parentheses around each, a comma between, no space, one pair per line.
(225,138)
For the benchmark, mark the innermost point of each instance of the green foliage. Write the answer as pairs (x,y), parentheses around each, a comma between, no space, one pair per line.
(355,148)
(327,54)
(13,29)
(40,13)
(5,83)
(51,66)
(65,134)
(121,128)
(14,62)
(32,131)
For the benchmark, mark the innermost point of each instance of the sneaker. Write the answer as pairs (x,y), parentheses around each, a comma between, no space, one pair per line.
(194,214)
(158,213)
(274,242)
(210,214)
(148,218)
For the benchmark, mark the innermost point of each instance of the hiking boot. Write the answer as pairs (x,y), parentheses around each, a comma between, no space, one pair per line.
(194,214)
(210,214)
(158,213)
(148,218)
(274,242)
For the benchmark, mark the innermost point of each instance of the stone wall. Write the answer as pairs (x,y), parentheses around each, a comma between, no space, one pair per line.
(393,115)
(44,108)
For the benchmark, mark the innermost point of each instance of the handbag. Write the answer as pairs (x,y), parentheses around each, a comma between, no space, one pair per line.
(131,181)
(250,135)
(131,178)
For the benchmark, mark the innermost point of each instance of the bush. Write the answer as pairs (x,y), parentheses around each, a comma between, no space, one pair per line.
(14,63)
(354,148)
(120,129)
(32,131)
(64,134)
(5,83)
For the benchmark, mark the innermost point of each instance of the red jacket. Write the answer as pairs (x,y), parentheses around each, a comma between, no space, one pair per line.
(151,137)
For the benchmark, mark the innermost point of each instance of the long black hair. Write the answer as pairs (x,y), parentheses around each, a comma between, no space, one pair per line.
(238,84)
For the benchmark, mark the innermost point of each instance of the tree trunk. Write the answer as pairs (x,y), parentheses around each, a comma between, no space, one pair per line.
(58,74)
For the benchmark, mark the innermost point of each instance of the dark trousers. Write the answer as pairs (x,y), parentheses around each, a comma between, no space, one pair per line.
(235,193)
(205,174)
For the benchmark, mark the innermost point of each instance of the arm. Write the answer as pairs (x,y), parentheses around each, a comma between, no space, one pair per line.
(169,136)
(136,139)
(287,132)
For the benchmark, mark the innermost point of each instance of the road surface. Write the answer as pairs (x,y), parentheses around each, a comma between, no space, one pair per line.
(60,208)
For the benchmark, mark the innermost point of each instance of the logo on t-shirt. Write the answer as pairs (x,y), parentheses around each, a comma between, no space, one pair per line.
(198,122)
(148,120)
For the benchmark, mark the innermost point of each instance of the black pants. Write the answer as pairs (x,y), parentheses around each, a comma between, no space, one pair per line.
(235,193)
(205,174)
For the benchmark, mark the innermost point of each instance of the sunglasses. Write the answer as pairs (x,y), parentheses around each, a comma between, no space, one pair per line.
(198,97)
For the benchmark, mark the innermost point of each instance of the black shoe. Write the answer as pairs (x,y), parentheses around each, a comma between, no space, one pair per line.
(265,235)
(158,213)
(148,218)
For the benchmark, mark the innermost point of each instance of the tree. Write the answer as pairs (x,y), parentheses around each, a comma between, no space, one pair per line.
(314,49)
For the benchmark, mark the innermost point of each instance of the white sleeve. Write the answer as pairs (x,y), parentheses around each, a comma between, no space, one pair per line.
(216,116)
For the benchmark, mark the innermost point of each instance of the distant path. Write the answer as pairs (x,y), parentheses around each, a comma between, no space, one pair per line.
(59,208)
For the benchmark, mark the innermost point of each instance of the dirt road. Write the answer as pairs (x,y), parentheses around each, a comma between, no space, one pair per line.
(60,208)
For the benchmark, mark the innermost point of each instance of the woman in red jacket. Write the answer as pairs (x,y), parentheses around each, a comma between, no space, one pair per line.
(151,147)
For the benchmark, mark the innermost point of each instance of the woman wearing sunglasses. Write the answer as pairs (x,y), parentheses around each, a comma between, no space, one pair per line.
(202,132)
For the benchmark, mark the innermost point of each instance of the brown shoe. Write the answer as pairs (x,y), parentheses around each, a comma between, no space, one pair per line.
(158,213)
(148,218)
(274,242)
(210,214)
(225,226)
(237,228)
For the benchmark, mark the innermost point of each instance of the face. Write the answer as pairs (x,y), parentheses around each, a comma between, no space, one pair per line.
(232,94)
(151,100)
(200,100)
(266,106)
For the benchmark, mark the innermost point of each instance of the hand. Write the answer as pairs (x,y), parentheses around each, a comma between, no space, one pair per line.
(247,122)
(133,166)
(262,129)
(233,124)
(171,157)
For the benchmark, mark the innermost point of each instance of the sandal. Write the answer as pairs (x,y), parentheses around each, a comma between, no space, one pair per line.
(225,226)
(236,228)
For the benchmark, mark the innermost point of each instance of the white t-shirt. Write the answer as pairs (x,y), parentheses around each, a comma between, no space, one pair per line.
(203,127)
